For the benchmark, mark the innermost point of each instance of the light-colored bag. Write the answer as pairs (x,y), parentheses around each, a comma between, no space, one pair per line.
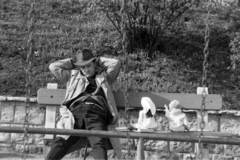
(66,121)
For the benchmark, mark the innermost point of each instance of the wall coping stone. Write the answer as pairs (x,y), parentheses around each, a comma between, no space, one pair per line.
(16,99)
(34,99)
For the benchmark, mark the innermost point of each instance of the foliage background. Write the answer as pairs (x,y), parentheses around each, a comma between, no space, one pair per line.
(165,48)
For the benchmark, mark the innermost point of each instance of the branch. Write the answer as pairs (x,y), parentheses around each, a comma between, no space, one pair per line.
(113,23)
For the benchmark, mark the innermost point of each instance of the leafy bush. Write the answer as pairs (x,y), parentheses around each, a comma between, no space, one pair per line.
(235,60)
(146,20)
(165,53)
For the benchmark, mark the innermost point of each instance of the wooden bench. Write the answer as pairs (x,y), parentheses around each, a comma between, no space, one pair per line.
(53,97)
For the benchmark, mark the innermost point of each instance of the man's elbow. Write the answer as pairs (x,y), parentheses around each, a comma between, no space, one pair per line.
(51,67)
(118,64)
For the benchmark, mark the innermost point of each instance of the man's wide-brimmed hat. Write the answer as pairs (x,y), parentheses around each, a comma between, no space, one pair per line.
(84,57)
(146,102)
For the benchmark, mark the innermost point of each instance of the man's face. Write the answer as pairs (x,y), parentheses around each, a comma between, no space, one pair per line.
(88,70)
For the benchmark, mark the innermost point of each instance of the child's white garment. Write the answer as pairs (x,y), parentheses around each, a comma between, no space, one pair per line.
(146,123)
(177,119)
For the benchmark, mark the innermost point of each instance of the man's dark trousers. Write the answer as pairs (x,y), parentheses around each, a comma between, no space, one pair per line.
(89,117)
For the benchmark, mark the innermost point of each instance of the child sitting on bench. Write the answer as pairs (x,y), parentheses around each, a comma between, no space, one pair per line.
(146,118)
(177,119)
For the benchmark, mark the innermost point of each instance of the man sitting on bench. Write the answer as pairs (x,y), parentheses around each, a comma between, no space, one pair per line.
(90,100)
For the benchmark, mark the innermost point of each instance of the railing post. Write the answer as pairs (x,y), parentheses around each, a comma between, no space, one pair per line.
(140,149)
(50,122)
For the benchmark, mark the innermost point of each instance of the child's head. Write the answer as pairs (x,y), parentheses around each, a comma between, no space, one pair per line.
(174,104)
(147,105)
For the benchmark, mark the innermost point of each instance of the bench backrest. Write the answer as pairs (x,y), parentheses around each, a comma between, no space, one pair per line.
(188,101)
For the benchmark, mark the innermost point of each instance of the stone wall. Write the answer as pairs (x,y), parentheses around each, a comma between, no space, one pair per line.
(12,111)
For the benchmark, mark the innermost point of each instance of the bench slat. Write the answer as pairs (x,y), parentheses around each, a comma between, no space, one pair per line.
(50,119)
(188,101)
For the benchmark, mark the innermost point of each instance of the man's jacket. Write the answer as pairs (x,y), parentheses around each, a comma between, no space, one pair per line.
(107,71)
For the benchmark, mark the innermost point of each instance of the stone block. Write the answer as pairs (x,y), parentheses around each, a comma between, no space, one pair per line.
(230,123)
(20,113)
(21,137)
(5,137)
(36,115)
(7,111)
(221,157)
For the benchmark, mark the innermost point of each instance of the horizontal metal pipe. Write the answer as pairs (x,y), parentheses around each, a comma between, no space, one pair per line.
(192,136)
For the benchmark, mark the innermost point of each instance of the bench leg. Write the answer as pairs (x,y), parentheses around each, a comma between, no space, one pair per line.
(140,149)
(168,146)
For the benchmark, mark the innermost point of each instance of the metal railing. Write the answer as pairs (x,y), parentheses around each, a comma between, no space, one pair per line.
(192,136)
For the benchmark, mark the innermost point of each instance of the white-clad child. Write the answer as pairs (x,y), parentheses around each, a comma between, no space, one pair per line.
(146,118)
(177,119)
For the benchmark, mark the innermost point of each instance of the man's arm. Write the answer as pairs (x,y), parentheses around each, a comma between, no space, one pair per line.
(112,67)
(62,69)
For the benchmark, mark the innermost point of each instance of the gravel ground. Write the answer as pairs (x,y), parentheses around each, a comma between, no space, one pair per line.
(10,155)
